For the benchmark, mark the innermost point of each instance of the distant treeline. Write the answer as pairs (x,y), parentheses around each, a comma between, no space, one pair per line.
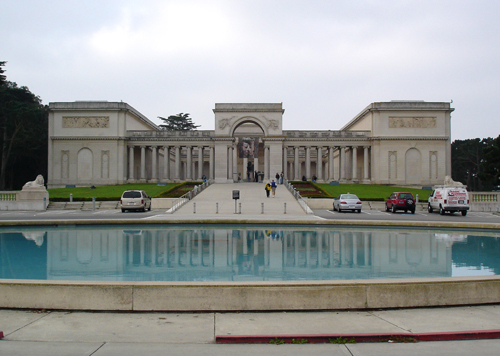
(476,163)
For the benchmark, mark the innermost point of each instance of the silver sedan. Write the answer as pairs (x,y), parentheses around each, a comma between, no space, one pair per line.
(347,202)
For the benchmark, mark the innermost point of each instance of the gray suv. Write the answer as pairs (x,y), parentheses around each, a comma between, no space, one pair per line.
(135,200)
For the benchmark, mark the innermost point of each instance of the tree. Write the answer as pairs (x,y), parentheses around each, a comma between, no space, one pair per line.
(23,135)
(491,164)
(179,122)
(466,162)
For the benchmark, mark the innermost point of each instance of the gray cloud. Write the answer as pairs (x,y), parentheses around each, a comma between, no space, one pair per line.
(325,60)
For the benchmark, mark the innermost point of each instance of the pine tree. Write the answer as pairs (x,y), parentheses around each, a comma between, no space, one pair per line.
(179,122)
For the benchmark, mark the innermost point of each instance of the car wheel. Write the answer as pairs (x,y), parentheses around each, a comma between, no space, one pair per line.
(406,211)
(334,208)
(441,210)
(149,207)
(429,208)
(464,212)
(359,211)
(123,210)
(387,208)
(393,209)
(413,211)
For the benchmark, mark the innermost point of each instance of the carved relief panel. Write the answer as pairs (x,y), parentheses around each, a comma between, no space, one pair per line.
(412,122)
(85,122)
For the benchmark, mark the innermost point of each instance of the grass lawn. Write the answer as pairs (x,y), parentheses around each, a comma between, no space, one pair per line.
(109,192)
(372,191)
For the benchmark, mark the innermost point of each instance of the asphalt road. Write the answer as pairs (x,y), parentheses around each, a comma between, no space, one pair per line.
(375,215)
(378,215)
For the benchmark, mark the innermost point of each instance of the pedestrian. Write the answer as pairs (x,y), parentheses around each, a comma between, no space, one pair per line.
(281,177)
(273,188)
(268,189)
(277,178)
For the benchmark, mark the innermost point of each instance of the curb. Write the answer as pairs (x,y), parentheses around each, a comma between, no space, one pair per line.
(359,337)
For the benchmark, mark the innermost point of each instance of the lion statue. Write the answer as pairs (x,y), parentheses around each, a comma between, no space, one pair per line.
(450,182)
(37,183)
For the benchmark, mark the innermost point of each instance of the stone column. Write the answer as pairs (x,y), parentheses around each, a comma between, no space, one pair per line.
(230,164)
(354,163)
(189,162)
(245,169)
(200,162)
(211,164)
(255,166)
(285,162)
(131,163)
(331,160)
(166,163)
(342,163)
(143,163)
(235,161)
(154,164)
(308,162)
(266,163)
(296,163)
(177,163)
(366,173)
(319,164)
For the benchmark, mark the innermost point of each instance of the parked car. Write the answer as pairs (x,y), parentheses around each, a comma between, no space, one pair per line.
(135,200)
(400,201)
(450,199)
(347,202)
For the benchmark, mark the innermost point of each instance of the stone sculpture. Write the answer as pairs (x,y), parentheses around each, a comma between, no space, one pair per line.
(450,182)
(37,183)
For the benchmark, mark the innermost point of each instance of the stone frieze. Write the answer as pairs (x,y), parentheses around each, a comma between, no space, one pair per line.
(412,122)
(84,122)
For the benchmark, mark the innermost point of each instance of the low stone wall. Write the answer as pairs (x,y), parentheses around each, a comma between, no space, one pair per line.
(27,199)
(249,296)
(162,203)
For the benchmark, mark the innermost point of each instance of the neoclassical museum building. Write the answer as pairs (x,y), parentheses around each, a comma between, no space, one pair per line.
(105,143)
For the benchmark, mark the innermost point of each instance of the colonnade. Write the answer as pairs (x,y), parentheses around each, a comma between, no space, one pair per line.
(345,156)
(179,162)
(192,162)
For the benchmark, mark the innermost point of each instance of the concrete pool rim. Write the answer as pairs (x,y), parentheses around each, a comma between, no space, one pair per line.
(250,296)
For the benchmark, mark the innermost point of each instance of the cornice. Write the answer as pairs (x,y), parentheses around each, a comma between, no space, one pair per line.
(88,138)
(411,138)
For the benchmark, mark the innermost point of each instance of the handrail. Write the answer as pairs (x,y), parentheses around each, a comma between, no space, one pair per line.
(179,202)
(297,196)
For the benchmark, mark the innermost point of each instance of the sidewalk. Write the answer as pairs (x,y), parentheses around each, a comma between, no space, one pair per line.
(87,333)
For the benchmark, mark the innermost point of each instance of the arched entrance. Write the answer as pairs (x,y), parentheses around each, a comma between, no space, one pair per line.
(250,162)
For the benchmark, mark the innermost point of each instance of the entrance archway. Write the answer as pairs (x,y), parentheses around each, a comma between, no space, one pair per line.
(250,150)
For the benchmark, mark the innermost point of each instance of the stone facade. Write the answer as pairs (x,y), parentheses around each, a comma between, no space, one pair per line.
(103,143)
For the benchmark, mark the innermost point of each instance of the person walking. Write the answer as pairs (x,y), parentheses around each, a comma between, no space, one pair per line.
(268,189)
(273,188)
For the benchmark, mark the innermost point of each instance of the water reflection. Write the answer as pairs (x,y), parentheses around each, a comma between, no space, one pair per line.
(158,254)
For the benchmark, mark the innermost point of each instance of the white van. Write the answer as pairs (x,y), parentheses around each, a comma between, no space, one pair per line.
(449,198)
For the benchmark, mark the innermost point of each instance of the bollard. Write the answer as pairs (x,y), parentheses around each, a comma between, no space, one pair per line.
(45,202)
(262,207)
(93,203)
(239,206)
(217,208)
(416,198)
(71,198)
(194,208)
(284,208)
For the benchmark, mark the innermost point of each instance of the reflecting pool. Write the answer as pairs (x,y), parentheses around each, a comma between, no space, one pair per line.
(243,253)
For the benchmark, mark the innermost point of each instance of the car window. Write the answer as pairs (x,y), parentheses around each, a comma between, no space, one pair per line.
(349,196)
(131,195)
(405,196)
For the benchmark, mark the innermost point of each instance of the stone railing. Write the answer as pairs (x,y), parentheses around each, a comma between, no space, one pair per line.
(326,134)
(179,202)
(297,196)
(484,201)
(148,134)
(24,200)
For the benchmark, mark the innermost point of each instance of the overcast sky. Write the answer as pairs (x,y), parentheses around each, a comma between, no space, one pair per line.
(324,60)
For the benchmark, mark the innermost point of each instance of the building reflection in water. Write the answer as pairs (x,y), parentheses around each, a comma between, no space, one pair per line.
(245,254)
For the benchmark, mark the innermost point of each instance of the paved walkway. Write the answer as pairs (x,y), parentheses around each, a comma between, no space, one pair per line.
(252,196)
(102,334)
